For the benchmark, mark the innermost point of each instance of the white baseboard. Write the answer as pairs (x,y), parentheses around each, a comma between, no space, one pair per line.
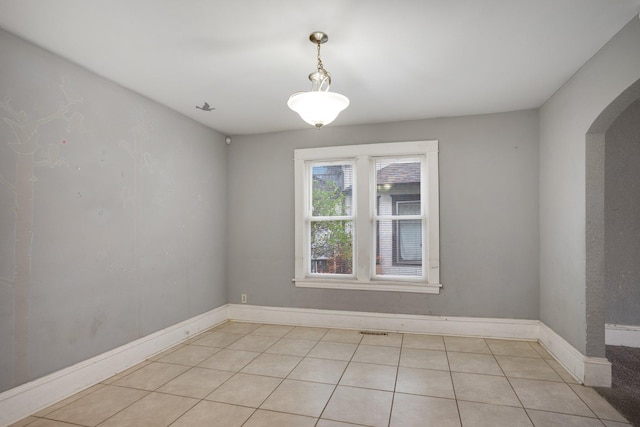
(591,371)
(29,398)
(408,323)
(622,335)
(21,401)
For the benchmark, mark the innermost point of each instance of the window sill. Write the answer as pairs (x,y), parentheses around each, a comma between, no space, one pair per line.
(385,286)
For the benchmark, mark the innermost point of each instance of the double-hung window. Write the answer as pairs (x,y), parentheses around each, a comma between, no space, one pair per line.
(366,217)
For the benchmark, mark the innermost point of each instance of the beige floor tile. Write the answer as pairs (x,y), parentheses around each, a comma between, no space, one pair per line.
(425,382)
(218,339)
(292,347)
(475,414)
(214,414)
(423,342)
(484,389)
(25,421)
(562,372)
(512,348)
(272,365)
(615,424)
(164,353)
(196,382)
(224,324)
(422,411)
(238,327)
(359,406)
(343,335)
(43,422)
(527,367)
(329,423)
(153,410)
(253,343)
(299,398)
(474,363)
(390,340)
(377,354)
(466,345)
(319,370)
(292,375)
(552,419)
(333,350)
(126,372)
(425,359)
(597,403)
(152,376)
(189,355)
(273,330)
(539,348)
(263,418)
(367,375)
(245,390)
(96,407)
(229,360)
(549,396)
(198,336)
(303,332)
(68,400)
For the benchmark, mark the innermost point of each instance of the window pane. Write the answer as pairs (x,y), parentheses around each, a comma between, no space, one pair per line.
(409,240)
(332,188)
(397,180)
(398,241)
(332,247)
(408,232)
(408,207)
(399,248)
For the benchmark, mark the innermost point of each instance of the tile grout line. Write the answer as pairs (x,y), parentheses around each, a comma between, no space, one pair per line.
(204,399)
(453,386)
(339,379)
(282,379)
(157,388)
(395,383)
(511,385)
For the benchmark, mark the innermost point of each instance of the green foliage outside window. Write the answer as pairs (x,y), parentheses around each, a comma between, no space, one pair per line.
(331,241)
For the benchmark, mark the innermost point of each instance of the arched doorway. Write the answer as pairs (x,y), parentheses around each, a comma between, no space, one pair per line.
(596,219)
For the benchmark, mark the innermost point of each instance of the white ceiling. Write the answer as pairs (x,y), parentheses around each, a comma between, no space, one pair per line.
(395,60)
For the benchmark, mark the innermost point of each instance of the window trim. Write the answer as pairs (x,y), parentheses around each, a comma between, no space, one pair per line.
(364,277)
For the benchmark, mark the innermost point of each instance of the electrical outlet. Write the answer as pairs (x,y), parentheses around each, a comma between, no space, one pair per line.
(243,298)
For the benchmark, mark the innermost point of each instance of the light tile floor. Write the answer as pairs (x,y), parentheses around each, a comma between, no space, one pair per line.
(244,374)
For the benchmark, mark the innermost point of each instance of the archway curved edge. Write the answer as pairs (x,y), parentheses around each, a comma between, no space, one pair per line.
(595,219)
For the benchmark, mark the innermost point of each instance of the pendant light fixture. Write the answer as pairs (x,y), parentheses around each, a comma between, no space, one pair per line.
(318,107)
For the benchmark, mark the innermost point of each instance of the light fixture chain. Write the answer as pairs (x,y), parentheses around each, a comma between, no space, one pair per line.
(320,66)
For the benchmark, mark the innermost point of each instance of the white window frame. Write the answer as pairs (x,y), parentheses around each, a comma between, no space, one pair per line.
(364,275)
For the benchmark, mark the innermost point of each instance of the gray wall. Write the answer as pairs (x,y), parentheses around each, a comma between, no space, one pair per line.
(566,304)
(112,215)
(622,218)
(488,217)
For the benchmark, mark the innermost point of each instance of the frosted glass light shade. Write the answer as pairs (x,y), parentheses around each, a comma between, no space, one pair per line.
(318,108)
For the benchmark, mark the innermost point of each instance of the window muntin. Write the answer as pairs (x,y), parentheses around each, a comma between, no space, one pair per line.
(411,217)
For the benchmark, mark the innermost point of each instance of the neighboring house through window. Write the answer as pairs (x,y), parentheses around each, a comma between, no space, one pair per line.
(367,217)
